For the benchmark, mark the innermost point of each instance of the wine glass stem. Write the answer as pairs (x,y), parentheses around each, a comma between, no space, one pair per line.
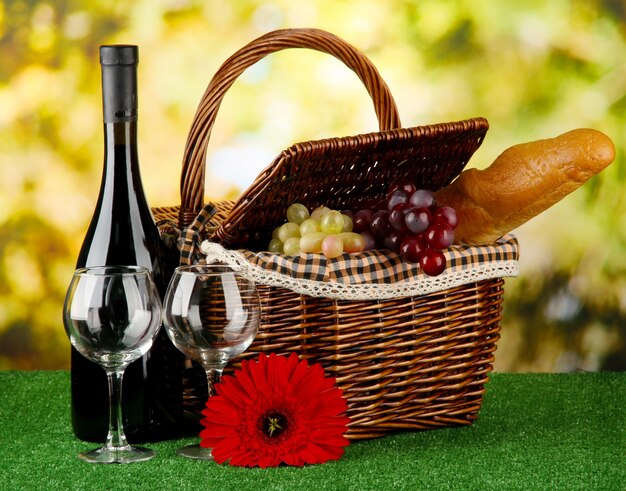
(115,437)
(213,376)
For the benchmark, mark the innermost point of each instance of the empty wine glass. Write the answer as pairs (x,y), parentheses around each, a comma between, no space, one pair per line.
(211,313)
(112,315)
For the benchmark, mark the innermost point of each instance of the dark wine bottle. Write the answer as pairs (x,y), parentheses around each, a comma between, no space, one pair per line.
(123,232)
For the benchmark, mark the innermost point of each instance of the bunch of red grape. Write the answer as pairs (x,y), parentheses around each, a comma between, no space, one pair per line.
(410,223)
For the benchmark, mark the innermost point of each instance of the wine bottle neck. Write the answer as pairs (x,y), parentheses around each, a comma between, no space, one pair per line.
(121,134)
(119,104)
(121,165)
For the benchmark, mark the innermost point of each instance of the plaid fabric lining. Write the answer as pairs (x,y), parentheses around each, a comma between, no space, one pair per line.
(377,267)
(190,237)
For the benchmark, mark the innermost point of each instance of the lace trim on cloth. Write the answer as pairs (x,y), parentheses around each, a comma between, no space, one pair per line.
(369,275)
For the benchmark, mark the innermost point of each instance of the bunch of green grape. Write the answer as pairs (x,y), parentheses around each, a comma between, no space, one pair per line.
(324,231)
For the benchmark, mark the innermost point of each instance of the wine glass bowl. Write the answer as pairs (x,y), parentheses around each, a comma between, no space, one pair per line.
(211,314)
(112,314)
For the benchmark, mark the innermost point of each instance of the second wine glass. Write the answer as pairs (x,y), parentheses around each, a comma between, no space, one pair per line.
(211,314)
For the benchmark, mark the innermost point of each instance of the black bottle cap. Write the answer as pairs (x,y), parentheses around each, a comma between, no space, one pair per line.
(119,54)
(119,82)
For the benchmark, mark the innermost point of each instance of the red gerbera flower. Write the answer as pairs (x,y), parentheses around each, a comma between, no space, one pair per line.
(276,410)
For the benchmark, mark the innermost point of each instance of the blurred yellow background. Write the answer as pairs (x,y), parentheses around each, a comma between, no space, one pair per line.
(534,69)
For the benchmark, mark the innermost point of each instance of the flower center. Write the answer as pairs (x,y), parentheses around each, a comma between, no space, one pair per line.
(274,424)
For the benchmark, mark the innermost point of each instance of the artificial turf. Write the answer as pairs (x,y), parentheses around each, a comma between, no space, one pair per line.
(535,431)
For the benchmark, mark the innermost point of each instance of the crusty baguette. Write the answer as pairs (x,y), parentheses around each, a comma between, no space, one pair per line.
(522,182)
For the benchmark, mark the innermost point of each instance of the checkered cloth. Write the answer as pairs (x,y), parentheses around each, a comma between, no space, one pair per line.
(371,274)
(377,266)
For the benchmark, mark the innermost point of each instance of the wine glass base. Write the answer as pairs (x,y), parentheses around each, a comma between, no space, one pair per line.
(195,452)
(123,455)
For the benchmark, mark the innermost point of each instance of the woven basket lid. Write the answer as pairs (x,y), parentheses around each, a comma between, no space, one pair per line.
(346,173)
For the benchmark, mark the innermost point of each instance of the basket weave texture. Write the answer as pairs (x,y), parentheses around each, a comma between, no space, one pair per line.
(415,362)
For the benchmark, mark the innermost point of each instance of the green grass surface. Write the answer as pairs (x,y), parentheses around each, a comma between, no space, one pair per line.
(535,431)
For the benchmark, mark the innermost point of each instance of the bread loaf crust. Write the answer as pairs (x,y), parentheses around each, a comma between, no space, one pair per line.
(522,182)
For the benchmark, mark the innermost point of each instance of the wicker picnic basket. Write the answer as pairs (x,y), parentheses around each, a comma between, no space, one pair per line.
(412,362)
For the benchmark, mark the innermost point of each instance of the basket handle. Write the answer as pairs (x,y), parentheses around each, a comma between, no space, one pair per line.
(192,178)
